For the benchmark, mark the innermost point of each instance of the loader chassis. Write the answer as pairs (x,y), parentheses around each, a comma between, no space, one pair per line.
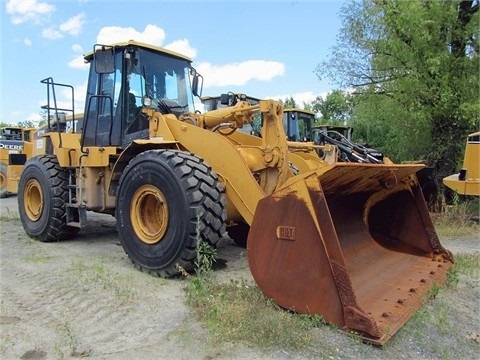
(174,178)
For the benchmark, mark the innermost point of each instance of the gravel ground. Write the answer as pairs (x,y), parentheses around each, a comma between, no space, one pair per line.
(83,298)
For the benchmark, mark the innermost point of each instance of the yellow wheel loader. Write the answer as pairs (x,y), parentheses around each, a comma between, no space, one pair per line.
(352,242)
(16,146)
(467,181)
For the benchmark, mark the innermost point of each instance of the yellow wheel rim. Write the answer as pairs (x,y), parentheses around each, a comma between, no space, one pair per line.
(149,214)
(33,200)
(3,181)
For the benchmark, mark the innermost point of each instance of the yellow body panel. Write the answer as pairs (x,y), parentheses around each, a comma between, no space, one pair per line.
(7,151)
(13,176)
(467,181)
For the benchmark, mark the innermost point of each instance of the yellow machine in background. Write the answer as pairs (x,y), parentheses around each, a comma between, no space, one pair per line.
(353,242)
(18,144)
(467,181)
(16,147)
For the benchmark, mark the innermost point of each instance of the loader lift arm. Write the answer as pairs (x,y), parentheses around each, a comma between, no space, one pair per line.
(349,150)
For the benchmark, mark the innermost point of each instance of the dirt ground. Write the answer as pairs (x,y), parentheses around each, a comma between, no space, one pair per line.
(83,298)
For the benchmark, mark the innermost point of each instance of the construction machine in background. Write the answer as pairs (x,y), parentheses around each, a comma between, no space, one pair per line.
(16,146)
(300,126)
(335,144)
(231,99)
(352,242)
(467,181)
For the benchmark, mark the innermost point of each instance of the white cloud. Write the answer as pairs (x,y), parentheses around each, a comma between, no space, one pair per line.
(152,35)
(234,74)
(182,47)
(51,34)
(78,63)
(27,42)
(113,34)
(28,10)
(77,48)
(73,26)
(239,73)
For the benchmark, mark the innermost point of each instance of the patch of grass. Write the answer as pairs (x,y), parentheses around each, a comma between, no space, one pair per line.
(435,326)
(94,277)
(238,311)
(467,266)
(5,342)
(460,219)
(9,215)
(38,259)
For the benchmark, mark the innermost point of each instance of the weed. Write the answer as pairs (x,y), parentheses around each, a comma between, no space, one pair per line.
(205,258)
(442,310)
(452,276)
(355,336)
(70,338)
(434,290)
(415,326)
(72,342)
(206,255)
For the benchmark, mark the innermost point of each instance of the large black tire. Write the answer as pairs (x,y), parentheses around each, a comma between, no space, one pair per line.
(166,200)
(42,198)
(3,180)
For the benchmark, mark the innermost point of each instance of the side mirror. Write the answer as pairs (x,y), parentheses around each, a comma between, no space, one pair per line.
(104,57)
(197,82)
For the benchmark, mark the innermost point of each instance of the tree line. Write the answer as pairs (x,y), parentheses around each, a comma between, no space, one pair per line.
(407,74)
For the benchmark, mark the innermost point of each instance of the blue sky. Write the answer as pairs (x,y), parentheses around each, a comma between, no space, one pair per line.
(266,49)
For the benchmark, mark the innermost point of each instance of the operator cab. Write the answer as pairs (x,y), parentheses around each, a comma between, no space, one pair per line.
(297,124)
(126,77)
(211,103)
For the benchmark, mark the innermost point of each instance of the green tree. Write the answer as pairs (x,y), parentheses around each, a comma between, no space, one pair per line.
(290,103)
(414,68)
(336,108)
(26,124)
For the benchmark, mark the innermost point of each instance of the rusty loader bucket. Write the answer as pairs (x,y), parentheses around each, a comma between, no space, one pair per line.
(352,242)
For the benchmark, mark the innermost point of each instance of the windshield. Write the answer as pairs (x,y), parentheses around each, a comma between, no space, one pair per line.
(163,78)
